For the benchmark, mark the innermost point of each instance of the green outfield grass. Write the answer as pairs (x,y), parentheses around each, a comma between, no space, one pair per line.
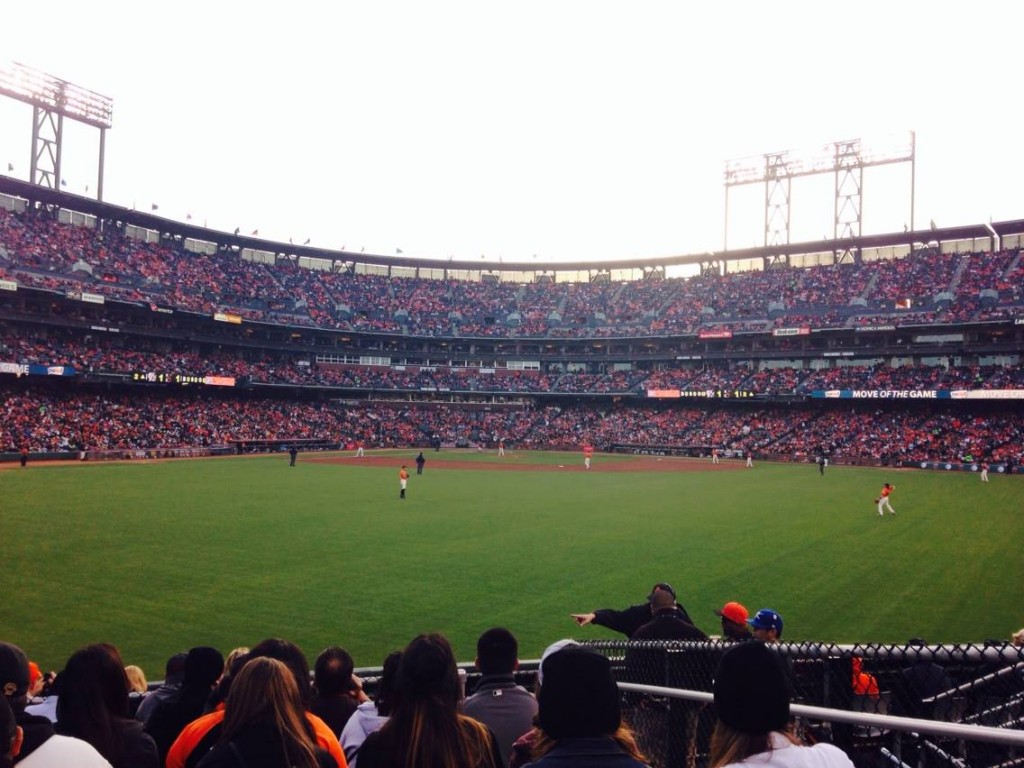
(159,557)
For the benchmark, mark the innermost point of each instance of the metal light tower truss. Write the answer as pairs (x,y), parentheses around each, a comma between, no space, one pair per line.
(845,159)
(777,190)
(53,99)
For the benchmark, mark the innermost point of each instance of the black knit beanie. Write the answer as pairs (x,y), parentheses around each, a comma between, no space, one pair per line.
(751,692)
(203,666)
(579,696)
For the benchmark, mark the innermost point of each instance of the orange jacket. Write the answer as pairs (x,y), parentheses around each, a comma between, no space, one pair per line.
(863,683)
(197,729)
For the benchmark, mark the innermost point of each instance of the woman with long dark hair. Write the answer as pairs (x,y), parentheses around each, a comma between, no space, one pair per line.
(579,720)
(93,706)
(425,729)
(265,723)
(752,704)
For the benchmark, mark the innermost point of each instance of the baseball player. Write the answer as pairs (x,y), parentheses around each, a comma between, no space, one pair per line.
(883,499)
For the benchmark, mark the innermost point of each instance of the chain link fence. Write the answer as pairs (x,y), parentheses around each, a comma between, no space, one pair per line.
(919,706)
(980,685)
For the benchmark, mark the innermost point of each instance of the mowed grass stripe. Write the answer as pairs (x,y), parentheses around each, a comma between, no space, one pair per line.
(158,557)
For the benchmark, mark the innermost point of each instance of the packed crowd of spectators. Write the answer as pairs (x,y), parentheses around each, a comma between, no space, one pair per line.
(37,251)
(266,706)
(104,354)
(62,419)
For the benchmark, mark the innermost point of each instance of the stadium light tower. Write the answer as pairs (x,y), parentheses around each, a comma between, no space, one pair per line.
(997,241)
(53,99)
(845,159)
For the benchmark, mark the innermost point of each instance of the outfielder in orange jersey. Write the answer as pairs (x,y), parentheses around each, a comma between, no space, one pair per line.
(403,481)
(883,499)
(588,454)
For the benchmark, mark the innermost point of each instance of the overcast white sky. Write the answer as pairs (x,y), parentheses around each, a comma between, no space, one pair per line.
(570,129)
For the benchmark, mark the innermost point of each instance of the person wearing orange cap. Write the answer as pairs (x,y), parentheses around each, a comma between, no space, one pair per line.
(734,622)
(35,680)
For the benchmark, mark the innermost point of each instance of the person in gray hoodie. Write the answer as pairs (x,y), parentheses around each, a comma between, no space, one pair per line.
(371,715)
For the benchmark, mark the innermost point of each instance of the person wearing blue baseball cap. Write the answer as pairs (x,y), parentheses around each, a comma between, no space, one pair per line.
(767,625)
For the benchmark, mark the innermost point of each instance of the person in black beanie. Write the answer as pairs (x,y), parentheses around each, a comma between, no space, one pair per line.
(752,703)
(203,668)
(579,717)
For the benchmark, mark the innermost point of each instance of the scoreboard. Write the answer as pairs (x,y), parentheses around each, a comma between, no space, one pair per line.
(156,377)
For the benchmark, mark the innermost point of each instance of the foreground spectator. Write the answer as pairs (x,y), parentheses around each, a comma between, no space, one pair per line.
(665,623)
(337,692)
(174,671)
(864,683)
(137,687)
(629,620)
(93,706)
(200,736)
(203,668)
(504,707)
(265,724)
(136,679)
(40,746)
(734,622)
(580,720)
(371,715)
(10,735)
(425,728)
(232,664)
(522,750)
(752,703)
(767,625)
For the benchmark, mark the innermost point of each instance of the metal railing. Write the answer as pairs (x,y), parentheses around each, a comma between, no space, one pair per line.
(914,705)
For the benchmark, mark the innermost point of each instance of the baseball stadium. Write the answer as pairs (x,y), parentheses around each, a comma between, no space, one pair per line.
(209,439)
